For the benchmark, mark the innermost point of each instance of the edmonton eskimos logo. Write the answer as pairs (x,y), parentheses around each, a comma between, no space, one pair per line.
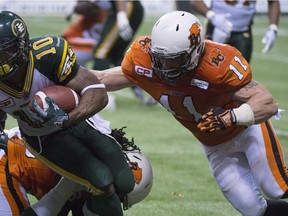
(18,28)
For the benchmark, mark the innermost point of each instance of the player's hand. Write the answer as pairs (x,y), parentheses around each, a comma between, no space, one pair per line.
(217,119)
(221,24)
(220,36)
(52,116)
(125,30)
(269,38)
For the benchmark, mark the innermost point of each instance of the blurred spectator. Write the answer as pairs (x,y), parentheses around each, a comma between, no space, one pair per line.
(84,33)
(184,6)
(231,22)
(103,31)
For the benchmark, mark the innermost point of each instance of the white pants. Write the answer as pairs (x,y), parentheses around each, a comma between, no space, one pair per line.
(249,163)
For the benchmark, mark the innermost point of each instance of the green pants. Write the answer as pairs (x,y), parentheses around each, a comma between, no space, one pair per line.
(85,155)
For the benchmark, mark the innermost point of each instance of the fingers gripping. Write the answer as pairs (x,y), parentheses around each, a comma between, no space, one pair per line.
(217,119)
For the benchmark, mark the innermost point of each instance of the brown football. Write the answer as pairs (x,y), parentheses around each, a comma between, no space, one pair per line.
(66,98)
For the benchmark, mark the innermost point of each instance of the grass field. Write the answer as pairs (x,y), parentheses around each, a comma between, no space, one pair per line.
(183,184)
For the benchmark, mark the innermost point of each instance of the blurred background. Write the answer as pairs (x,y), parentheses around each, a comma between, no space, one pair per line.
(152,8)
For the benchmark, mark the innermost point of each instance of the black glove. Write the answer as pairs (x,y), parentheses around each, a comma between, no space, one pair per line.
(217,119)
(52,116)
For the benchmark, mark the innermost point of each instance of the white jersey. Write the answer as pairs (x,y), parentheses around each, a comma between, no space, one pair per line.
(241,12)
(104,4)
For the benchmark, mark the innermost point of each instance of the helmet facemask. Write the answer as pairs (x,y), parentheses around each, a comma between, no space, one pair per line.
(171,67)
(12,55)
(14,44)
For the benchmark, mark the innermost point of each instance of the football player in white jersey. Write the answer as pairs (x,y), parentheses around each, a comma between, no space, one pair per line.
(231,22)
(65,142)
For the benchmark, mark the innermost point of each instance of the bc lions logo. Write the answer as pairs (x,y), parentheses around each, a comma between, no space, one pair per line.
(195,35)
(18,28)
(145,43)
(137,172)
(216,57)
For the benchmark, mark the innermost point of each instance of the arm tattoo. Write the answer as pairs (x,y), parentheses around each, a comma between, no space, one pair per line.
(250,85)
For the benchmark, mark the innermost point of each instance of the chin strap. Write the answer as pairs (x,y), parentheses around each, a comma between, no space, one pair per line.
(125,202)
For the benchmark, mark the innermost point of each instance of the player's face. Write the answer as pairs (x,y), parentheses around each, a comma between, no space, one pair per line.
(7,53)
(172,66)
(12,59)
(169,64)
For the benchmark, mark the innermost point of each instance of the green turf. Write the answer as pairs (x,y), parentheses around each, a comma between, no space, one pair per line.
(183,184)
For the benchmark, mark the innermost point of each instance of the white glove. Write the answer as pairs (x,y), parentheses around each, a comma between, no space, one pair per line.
(269,38)
(220,36)
(223,27)
(125,30)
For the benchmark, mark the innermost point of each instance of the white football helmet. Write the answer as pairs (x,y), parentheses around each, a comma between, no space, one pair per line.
(143,175)
(177,42)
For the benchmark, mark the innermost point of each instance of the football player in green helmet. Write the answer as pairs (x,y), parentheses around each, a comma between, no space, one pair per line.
(69,143)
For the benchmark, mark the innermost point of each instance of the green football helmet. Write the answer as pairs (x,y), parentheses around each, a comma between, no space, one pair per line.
(14,40)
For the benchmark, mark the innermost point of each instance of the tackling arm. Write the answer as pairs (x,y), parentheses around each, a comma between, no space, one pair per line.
(113,78)
(259,99)
(257,105)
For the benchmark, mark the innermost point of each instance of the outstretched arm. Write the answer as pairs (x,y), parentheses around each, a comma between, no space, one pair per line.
(113,78)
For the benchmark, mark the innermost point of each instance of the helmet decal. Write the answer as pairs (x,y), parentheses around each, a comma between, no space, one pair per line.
(137,171)
(195,35)
(18,28)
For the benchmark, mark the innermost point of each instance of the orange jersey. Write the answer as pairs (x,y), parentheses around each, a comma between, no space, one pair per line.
(35,177)
(222,70)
